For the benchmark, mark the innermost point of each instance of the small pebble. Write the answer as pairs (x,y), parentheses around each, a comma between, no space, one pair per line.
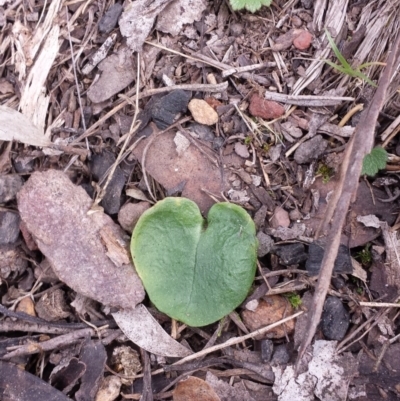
(267,348)
(241,150)
(109,20)
(302,40)
(202,112)
(335,319)
(280,218)
(281,355)
(129,214)
(266,109)
(265,244)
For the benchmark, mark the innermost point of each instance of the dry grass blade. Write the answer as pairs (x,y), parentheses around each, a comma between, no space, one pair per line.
(360,144)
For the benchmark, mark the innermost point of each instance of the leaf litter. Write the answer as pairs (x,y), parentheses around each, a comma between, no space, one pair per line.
(256,52)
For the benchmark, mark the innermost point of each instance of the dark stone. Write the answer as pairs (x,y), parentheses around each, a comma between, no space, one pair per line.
(281,355)
(99,166)
(218,143)
(291,254)
(24,165)
(110,18)
(267,348)
(9,186)
(202,131)
(335,319)
(9,227)
(167,108)
(316,254)
(338,282)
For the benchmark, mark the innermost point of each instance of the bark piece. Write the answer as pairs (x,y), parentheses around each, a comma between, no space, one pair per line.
(310,150)
(56,212)
(166,109)
(118,71)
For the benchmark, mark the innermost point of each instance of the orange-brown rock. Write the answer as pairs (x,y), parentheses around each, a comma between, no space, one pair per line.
(266,109)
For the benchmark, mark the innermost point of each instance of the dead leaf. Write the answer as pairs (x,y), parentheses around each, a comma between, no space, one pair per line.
(168,168)
(194,388)
(226,391)
(17,384)
(55,212)
(369,221)
(118,71)
(179,13)
(141,328)
(137,20)
(136,194)
(14,126)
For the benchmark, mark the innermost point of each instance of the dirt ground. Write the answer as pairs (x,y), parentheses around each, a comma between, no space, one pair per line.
(291,113)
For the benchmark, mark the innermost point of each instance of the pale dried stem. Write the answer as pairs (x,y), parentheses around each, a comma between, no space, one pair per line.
(304,100)
(230,342)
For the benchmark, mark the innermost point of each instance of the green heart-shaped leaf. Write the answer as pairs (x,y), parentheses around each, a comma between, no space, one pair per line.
(194,271)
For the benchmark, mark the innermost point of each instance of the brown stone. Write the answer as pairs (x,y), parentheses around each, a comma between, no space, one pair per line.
(129,214)
(270,310)
(266,109)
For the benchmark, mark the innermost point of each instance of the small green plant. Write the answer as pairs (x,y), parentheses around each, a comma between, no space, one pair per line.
(250,5)
(326,172)
(195,271)
(365,255)
(294,299)
(247,140)
(359,291)
(345,67)
(374,161)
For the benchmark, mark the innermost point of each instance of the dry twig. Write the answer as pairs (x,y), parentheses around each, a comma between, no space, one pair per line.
(360,144)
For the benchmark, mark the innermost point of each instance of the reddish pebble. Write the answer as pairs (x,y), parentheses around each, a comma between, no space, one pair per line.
(265,109)
(213,102)
(302,39)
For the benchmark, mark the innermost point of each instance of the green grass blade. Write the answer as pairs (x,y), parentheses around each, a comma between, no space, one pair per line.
(335,49)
